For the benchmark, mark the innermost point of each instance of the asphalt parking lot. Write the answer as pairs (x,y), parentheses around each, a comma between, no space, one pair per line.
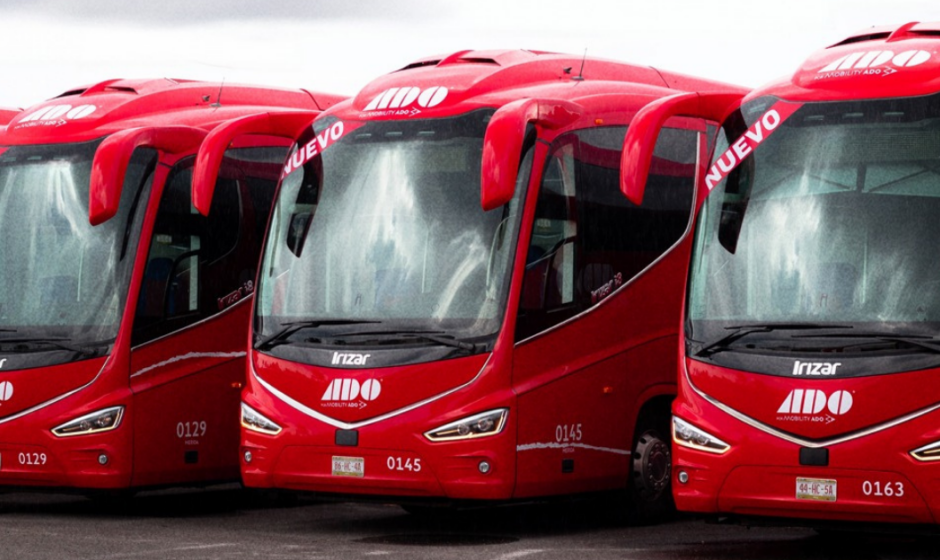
(224,522)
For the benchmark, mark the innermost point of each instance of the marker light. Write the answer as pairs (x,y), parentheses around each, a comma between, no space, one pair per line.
(928,452)
(254,421)
(100,421)
(479,425)
(687,435)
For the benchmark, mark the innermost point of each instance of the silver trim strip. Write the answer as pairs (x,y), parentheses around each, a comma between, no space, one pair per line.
(190,356)
(50,402)
(193,325)
(300,407)
(798,440)
(556,445)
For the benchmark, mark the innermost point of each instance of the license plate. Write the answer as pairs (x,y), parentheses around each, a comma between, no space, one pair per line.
(818,489)
(348,466)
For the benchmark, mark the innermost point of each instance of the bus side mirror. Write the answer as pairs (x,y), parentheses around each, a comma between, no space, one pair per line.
(640,141)
(503,140)
(114,154)
(287,124)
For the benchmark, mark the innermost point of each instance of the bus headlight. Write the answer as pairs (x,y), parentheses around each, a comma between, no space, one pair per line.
(928,452)
(687,435)
(100,421)
(484,424)
(254,421)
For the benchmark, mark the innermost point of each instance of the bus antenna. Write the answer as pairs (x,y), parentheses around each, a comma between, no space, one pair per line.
(580,76)
(218,98)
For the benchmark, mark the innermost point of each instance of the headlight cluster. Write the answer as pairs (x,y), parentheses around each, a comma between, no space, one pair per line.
(254,421)
(479,425)
(928,452)
(687,435)
(100,421)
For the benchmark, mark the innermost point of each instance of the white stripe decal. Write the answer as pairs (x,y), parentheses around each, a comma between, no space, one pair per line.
(190,356)
(556,445)
(300,407)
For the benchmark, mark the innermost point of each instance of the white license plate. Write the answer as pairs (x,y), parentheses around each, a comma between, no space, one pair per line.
(348,466)
(818,489)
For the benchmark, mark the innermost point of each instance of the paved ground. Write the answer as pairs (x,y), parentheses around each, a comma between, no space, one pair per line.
(224,523)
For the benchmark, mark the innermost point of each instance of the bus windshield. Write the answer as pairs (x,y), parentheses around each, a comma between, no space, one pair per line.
(385,228)
(64,280)
(830,223)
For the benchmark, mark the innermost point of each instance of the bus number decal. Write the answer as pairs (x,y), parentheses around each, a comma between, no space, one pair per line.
(192,429)
(32,459)
(883,489)
(399,464)
(568,432)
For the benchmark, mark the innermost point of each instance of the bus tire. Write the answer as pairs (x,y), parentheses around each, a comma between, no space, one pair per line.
(650,485)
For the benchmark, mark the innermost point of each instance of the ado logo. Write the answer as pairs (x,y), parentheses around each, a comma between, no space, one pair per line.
(6,391)
(349,390)
(813,401)
(401,98)
(871,62)
(57,114)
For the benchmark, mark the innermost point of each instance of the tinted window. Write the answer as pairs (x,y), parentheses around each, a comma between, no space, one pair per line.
(587,238)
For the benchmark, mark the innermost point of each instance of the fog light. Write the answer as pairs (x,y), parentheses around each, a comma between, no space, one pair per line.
(247,456)
(102,459)
(484,467)
(683,477)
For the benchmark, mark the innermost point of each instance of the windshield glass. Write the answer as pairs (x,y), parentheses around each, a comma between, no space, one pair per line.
(831,221)
(62,278)
(385,227)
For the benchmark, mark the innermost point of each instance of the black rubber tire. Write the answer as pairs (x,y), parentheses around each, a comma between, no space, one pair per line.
(650,484)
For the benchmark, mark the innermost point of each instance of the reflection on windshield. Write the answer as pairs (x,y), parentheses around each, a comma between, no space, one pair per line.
(393,233)
(61,276)
(832,219)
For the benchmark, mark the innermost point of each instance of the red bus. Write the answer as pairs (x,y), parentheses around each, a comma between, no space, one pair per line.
(456,302)
(122,313)
(811,332)
(6,115)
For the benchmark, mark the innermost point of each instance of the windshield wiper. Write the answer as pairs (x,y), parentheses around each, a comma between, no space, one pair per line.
(919,340)
(58,342)
(287,329)
(437,337)
(722,343)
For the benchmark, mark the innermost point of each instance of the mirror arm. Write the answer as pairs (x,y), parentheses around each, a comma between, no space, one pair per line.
(114,155)
(286,124)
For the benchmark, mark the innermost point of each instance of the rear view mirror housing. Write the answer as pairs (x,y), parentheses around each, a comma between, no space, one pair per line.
(287,124)
(113,155)
(640,141)
(504,138)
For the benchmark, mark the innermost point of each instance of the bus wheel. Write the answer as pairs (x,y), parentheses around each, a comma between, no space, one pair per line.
(651,471)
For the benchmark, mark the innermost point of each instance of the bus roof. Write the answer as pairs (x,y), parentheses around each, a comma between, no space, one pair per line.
(94,111)
(444,85)
(879,62)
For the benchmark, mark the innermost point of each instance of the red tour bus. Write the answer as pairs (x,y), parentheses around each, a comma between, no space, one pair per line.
(806,387)
(456,302)
(122,314)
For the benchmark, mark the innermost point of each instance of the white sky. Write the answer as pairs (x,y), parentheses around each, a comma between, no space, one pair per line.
(51,46)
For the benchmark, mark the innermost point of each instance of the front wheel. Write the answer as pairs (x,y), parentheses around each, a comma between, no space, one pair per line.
(651,471)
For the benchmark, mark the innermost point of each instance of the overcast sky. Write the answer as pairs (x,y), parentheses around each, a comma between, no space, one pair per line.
(50,46)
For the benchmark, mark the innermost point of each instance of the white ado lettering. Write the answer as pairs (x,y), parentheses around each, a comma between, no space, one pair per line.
(874,59)
(350,390)
(815,368)
(57,114)
(812,401)
(399,98)
(743,146)
(312,149)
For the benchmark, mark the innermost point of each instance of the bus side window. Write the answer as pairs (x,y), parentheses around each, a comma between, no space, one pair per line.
(589,240)
(198,266)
